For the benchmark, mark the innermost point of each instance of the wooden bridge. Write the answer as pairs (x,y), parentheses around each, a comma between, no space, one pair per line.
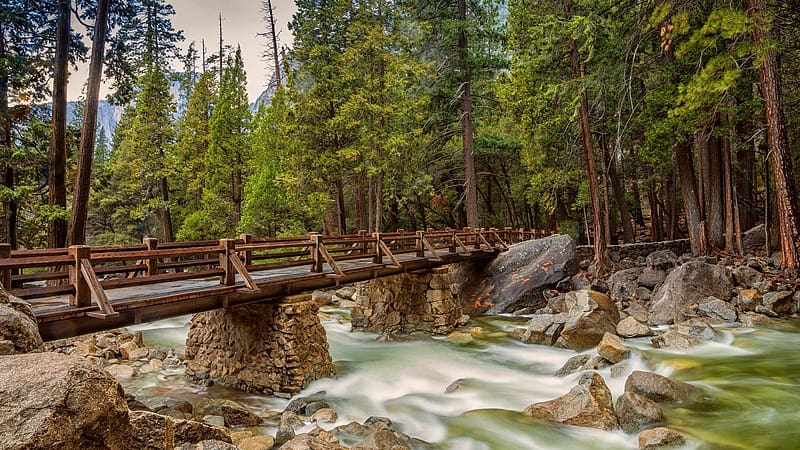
(86,289)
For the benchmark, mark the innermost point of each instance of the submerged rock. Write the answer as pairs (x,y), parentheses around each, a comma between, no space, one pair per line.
(382,439)
(693,282)
(658,388)
(660,438)
(235,414)
(587,405)
(637,412)
(51,400)
(686,335)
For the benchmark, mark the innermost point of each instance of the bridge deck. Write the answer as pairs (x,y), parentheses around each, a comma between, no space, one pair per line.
(100,288)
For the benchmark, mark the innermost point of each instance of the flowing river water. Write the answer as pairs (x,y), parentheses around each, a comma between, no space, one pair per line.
(751,380)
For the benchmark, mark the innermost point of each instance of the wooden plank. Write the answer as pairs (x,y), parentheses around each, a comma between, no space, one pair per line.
(460,244)
(106,310)
(35,261)
(163,253)
(329,259)
(273,245)
(160,278)
(431,248)
(42,292)
(240,267)
(389,253)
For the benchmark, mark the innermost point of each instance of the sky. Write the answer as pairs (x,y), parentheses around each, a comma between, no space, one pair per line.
(241,21)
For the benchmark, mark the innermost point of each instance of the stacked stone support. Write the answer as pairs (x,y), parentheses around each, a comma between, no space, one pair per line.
(407,303)
(270,348)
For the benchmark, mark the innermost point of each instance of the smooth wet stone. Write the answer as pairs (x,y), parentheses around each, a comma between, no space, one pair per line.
(325,415)
(120,371)
(612,348)
(587,405)
(382,439)
(660,438)
(629,327)
(590,315)
(637,412)
(264,442)
(658,388)
(235,414)
(573,365)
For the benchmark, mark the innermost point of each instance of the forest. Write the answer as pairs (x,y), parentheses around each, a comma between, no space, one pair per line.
(610,121)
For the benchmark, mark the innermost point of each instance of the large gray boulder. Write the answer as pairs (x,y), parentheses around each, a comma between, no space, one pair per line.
(622,284)
(590,316)
(19,332)
(587,405)
(51,400)
(153,431)
(691,283)
(658,388)
(516,278)
(637,412)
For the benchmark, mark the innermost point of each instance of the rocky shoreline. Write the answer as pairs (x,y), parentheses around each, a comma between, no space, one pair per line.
(67,392)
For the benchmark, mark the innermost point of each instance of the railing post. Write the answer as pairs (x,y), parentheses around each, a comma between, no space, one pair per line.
(420,244)
(476,232)
(453,236)
(152,263)
(378,258)
(229,277)
(5,275)
(82,295)
(316,257)
(362,234)
(400,242)
(248,254)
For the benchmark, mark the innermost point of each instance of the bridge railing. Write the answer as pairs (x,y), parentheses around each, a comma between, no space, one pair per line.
(84,273)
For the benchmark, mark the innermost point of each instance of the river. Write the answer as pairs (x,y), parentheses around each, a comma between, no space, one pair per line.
(751,378)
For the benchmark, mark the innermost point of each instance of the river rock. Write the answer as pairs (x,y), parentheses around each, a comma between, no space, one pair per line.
(152,431)
(352,430)
(235,414)
(660,438)
(208,445)
(541,329)
(120,371)
(690,283)
(515,279)
(612,348)
(661,260)
(780,302)
(650,278)
(715,308)
(50,400)
(748,299)
(658,388)
(264,442)
(637,412)
(591,315)
(573,365)
(622,284)
(322,298)
(751,319)
(284,434)
(686,335)
(587,405)
(629,327)
(746,277)
(17,325)
(325,415)
(460,338)
(382,439)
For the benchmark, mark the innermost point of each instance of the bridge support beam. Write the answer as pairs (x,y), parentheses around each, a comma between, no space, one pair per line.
(270,348)
(408,303)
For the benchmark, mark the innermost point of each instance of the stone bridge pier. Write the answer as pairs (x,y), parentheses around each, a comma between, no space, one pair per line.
(271,348)
(408,303)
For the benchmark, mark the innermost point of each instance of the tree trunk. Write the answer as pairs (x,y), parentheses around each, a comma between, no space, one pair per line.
(656,223)
(730,199)
(379,202)
(10,204)
(83,178)
(619,197)
(778,145)
(341,215)
(712,182)
(57,165)
(691,204)
(470,183)
(166,216)
(274,36)
(746,178)
(600,261)
(237,194)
